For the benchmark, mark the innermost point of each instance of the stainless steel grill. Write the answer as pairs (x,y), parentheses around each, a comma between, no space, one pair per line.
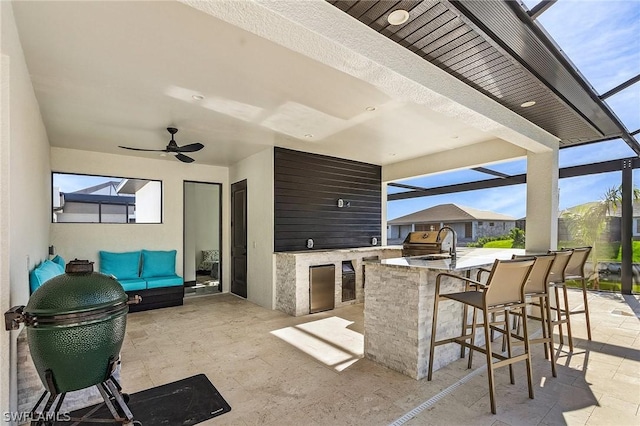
(420,243)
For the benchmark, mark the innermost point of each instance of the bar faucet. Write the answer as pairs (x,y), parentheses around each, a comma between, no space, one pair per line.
(452,249)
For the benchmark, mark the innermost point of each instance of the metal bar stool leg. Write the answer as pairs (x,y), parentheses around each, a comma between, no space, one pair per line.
(527,349)
(549,325)
(559,319)
(586,307)
(433,336)
(567,316)
(507,335)
(474,323)
(491,379)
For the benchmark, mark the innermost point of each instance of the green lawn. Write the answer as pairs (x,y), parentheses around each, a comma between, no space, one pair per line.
(636,252)
(614,286)
(499,244)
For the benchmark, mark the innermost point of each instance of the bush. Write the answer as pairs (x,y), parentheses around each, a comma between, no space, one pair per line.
(515,239)
(518,237)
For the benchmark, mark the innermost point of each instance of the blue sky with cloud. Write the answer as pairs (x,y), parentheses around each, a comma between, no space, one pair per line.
(601,37)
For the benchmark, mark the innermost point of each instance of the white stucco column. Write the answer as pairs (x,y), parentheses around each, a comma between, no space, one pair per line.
(542,201)
(383,218)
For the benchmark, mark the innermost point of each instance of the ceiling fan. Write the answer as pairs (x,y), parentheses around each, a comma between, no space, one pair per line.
(173,148)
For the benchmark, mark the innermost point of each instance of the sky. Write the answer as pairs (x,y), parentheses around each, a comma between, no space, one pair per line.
(70,182)
(601,38)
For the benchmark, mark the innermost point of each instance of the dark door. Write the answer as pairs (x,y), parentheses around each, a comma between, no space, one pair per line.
(239,238)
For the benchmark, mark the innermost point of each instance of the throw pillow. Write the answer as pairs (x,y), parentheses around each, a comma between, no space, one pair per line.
(123,266)
(59,260)
(43,273)
(210,255)
(158,263)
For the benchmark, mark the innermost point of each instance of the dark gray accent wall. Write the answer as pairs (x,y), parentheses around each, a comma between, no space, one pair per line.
(307,188)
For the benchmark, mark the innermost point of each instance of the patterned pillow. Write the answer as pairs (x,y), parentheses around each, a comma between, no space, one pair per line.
(210,255)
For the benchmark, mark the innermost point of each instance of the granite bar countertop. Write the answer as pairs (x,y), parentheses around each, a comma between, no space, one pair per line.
(466,258)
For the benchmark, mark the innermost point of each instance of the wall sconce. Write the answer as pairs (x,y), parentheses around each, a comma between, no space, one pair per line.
(374,241)
(310,243)
(52,250)
(342,203)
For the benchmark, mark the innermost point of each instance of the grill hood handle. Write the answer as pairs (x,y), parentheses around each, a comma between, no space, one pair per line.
(13,317)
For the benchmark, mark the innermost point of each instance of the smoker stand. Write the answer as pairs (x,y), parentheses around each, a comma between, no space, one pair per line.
(111,392)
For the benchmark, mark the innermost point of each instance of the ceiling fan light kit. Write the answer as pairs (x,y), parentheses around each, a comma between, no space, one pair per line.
(173,148)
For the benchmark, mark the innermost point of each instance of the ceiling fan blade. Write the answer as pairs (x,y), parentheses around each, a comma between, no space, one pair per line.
(141,149)
(184,158)
(192,147)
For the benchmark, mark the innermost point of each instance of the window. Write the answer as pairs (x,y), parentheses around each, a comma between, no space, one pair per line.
(491,224)
(105,199)
(480,223)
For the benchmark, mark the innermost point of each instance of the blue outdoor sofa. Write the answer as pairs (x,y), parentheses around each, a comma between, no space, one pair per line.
(146,273)
(150,274)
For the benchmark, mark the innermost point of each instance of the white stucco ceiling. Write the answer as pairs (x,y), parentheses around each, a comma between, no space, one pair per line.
(118,73)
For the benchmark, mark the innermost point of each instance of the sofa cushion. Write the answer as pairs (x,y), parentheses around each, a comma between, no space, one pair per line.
(123,266)
(167,281)
(158,263)
(43,273)
(134,284)
(59,260)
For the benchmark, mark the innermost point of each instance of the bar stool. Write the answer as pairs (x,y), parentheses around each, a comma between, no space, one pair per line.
(537,287)
(575,271)
(557,281)
(503,293)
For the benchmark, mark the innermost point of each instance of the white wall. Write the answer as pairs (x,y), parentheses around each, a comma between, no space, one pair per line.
(258,171)
(84,240)
(25,192)
(148,209)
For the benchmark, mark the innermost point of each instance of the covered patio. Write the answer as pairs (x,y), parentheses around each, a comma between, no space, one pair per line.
(274,369)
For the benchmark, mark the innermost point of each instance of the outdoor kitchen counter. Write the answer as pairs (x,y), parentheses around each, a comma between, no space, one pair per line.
(292,274)
(398,308)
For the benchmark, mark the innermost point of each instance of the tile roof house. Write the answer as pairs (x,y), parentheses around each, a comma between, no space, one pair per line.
(469,223)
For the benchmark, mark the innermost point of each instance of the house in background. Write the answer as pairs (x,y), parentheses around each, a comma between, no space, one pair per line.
(109,202)
(613,228)
(469,224)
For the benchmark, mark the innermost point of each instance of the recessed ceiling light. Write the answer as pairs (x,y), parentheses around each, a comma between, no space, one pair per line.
(370,108)
(308,135)
(528,104)
(398,17)
(197,97)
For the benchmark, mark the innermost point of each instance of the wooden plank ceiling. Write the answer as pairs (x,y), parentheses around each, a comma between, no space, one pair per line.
(492,49)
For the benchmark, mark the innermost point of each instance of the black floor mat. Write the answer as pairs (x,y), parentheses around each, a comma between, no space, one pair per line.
(183,403)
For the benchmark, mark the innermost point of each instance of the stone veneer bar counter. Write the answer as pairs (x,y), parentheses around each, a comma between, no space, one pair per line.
(398,308)
(292,274)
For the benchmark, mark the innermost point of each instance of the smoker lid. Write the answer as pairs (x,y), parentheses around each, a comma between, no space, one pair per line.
(75,293)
